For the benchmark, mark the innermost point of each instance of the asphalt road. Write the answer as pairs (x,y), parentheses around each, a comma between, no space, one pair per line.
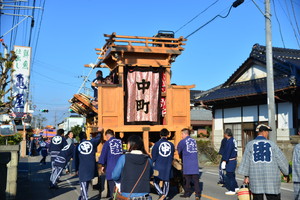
(33,180)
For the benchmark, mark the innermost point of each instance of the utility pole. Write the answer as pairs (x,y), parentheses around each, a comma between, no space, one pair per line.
(270,76)
(85,89)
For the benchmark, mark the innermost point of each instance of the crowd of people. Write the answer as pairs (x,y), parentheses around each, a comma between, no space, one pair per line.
(129,173)
(118,164)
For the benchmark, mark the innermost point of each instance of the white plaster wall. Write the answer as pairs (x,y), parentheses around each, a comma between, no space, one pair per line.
(218,129)
(250,114)
(253,72)
(232,115)
(285,121)
(263,112)
(218,121)
(285,115)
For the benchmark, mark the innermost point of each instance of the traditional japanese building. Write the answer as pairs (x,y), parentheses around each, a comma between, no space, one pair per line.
(241,102)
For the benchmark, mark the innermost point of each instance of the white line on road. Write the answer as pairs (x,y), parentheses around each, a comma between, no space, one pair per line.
(240,179)
(72,186)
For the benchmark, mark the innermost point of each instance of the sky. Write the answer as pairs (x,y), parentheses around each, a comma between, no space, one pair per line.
(67,32)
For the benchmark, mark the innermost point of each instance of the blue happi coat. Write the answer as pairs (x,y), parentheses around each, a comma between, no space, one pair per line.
(56,145)
(43,149)
(64,156)
(111,152)
(85,162)
(162,157)
(230,154)
(187,149)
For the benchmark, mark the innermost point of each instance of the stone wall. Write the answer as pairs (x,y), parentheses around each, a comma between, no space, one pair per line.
(12,170)
(288,146)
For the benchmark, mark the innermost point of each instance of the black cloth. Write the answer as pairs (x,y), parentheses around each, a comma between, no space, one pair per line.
(111,187)
(133,168)
(187,180)
(269,196)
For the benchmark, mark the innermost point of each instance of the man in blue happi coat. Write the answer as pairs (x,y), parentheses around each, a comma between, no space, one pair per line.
(262,165)
(162,157)
(187,150)
(111,152)
(56,145)
(85,162)
(43,149)
(221,181)
(229,162)
(60,162)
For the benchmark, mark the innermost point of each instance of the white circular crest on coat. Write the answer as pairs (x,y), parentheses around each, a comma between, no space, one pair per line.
(85,147)
(56,140)
(164,149)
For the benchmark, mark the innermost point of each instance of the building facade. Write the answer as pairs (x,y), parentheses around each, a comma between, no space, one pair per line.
(241,102)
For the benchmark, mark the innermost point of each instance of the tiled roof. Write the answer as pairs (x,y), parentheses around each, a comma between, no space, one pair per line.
(285,55)
(247,88)
(201,114)
(286,63)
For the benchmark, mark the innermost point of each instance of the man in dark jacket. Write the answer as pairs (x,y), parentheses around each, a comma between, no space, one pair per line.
(221,171)
(60,162)
(229,162)
(98,80)
(187,149)
(85,162)
(111,152)
(56,145)
(162,157)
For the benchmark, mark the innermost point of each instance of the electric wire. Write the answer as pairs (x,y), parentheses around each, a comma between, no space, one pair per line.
(52,67)
(279,25)
(209,22)
(258,8)
(196,16)
(12,32)
(56,81)
(39,29)
(292,26)
(296,2)
(32,24)
(295,16)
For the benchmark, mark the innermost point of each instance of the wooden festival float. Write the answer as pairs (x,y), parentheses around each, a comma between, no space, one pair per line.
(137,97)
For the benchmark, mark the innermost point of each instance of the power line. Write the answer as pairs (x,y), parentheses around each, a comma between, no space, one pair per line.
(289,19)
(295,17)
(32,24)
(209,22)
(196,16)
(53,79)
(38,34)
(279,25)
(52,67)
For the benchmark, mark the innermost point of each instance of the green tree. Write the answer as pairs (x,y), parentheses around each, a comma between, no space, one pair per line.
(76,130)
(6,64)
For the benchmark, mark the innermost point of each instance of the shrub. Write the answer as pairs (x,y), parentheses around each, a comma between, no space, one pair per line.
(208,150)
(11,140)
